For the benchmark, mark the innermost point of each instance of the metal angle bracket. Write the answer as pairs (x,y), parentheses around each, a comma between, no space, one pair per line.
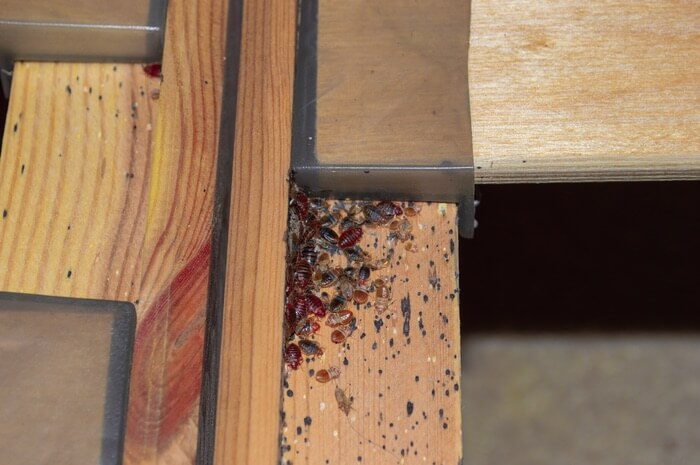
(96,31)
(368,52)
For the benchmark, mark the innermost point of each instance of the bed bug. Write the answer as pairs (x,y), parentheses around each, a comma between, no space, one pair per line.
(315,305)
(350,237)
(381,295)
(324,376)
(343,317)
(306,327)
(346,287)
(360,296)
(308,254)
(300,204)
(310,348)
(356,254)
(337,303)
(300,307)
(290,318)
(302,275)
(411,210)
(373,216)
(363,275)
(324,259)
(338,337)
(346,223)
(292,356)
(403,232)
(344,402)
(309,231)
(328,235)
(387,210)
(153,69)
(325,278)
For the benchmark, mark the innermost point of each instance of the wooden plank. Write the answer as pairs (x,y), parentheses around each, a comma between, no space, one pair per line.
(566,91)
(102,199)
(401,369)
(247,419)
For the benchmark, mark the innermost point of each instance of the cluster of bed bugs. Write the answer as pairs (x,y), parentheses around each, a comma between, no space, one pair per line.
(328,271)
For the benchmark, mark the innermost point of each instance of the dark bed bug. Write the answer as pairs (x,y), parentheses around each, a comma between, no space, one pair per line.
(337,303)
(343,317)
(350,237)
(356,254)
(328,235)
(306,327)
(346,287)
(292,356)
(373,215)
(310,348)
(308,254)
(325,278)
(363,275)
(387,210)
(315,305)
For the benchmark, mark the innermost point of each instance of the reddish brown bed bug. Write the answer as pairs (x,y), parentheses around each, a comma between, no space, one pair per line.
(300,205)
(328,235)
(292,356)
(381,295)
(350,237)
(387,210)
(300,307)
(411,211)
(309,232)
(153,69)
(338,302)
(338,337)
(343,317)
(310,348)
(360,296)
(291,318)
(306,327)
(324,376)
(302,275)
(315,305)
(344,402)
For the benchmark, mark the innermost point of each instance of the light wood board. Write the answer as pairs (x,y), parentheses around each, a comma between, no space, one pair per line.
(104,196)
(247,419)
(402,369)
(585,91)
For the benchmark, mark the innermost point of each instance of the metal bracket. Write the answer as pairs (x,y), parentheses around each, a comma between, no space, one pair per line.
(97,31)
(447,175)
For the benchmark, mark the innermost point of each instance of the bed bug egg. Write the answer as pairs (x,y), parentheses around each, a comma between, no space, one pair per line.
(310,348)
(292,356)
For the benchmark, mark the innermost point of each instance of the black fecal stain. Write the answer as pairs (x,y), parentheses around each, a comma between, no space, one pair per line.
(312,372)
(452,246)
(374,345)
(4,213)
(378,323)
(14,128)
(69,274)
(299,430)
(345,361)
(444,426)
(69,90)
(290,393)
(456,387)
(406,312)
(425,298)
(21,171)
(417,378)
(409,408)
(391,342)
(441,412)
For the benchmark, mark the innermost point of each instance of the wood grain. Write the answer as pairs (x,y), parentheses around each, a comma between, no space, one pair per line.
(371,57)
(594,91)
(105,197)
(401,369)
(247,420)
